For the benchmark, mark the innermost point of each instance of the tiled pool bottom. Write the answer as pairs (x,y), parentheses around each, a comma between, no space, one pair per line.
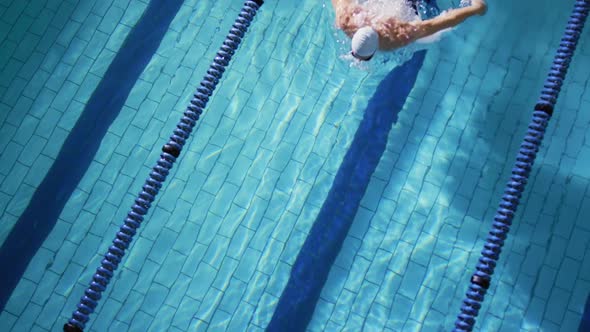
(424,233)
(73,249)
(420,230)
(404,263)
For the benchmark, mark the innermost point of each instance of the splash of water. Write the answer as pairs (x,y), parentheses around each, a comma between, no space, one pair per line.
(379,9)
(465,3)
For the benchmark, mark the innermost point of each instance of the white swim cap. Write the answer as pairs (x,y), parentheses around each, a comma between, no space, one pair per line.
(364,43)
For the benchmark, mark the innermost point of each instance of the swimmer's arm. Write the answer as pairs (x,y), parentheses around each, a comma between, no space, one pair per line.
(344,10)
(341,7)
(447,20)
(340,3)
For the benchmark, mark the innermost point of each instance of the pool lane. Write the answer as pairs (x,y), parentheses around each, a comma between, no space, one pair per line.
(324,241)
(80,147)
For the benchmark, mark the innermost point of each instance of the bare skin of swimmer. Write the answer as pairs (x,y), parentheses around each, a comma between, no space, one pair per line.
(394,33)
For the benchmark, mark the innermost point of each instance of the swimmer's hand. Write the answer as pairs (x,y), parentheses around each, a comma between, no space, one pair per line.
(480,6)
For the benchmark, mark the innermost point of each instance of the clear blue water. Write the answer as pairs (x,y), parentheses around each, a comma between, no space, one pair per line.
(216,250)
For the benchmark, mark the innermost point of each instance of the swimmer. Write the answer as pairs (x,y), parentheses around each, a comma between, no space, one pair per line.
(370,32)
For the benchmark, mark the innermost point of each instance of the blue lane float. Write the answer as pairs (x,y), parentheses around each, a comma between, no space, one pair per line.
(481,279)
(81,145)
(324,241)
(170,152)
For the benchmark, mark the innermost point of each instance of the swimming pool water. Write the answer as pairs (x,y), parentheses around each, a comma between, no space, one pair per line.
(216,249)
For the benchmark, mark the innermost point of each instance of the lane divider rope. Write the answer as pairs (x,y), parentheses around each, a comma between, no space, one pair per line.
(170,152)
(480,281)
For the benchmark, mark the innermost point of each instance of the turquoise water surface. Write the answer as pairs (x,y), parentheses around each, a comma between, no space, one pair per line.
(217,247)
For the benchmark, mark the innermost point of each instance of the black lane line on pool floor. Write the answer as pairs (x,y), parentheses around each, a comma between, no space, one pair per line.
(585,321)
(80,147)
(324,241)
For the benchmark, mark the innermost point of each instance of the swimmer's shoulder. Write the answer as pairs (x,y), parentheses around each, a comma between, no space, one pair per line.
(345,16)
(393,33)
